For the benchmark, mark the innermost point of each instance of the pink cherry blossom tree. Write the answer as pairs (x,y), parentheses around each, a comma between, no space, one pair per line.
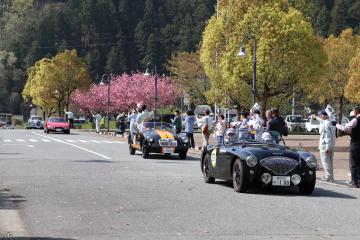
(126,92)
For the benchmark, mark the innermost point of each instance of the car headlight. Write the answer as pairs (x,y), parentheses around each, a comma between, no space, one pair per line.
(149,139)
(185,139)
(311,162)
(251,161)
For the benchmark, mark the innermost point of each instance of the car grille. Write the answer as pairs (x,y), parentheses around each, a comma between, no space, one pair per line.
(167,143)
(279,165)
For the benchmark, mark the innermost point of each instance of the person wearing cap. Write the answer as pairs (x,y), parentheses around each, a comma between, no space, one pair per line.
(327,146)
(353,127)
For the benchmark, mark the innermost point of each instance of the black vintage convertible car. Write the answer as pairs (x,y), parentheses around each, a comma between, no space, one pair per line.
(250,161)
(158,137)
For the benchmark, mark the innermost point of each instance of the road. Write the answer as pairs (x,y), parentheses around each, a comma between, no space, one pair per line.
(87,186)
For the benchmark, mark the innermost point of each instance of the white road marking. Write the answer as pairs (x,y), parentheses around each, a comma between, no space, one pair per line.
(72,141)
(33,140)
(45,140)
(7,140)
(83,141)
(73,145)
(14,144)
(20,140)
(108,141)
(95,141)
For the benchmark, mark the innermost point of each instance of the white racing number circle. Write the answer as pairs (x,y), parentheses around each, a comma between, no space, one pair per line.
(213,158)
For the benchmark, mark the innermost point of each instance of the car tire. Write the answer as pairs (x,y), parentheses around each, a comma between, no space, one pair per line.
(307,187)
(205,169)
(131,150)
(67,132)
(239,176)
(145,152)
(182,155)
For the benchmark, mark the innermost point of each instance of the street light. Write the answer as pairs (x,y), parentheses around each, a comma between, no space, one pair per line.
(242,53)
(106,77)
(147,73)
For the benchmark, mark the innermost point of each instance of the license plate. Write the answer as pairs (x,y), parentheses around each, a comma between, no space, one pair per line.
(168,150)
(281,181)
(58,130)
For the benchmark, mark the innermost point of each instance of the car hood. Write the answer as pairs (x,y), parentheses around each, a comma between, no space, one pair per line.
(266,151)
(159,134)
(57,124)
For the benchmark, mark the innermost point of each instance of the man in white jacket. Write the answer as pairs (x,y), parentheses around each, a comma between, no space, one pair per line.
(327,146)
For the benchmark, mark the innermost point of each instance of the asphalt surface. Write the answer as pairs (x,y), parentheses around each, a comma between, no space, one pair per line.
(87,186)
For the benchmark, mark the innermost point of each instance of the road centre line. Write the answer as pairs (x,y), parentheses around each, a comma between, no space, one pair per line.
(20,140)
(73,145)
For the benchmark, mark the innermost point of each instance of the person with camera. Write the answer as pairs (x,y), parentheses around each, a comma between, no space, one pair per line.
(353,129)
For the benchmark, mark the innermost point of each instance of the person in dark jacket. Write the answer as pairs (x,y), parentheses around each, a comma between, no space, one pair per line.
(276,124)
(177,122)
(353,127)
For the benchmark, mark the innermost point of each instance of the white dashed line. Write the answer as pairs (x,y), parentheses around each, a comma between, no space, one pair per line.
(108,141)
(7,140)
(72,141)
(20,140)
(83,141)
(33,140)
(45,140)
(73,145)
(95,141)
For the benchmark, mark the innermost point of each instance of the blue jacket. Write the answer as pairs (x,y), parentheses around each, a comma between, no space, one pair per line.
(189,124)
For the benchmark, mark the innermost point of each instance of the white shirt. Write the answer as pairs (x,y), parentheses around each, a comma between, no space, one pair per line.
(327,135)
(70,115)
(97,118)
(141,118)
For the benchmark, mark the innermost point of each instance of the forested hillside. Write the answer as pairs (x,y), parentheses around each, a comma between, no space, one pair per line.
(113,36)
(116,36)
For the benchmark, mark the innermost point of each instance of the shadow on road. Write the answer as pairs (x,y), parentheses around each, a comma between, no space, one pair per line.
(33,238)
(171,158)
(9,200)
(291,192)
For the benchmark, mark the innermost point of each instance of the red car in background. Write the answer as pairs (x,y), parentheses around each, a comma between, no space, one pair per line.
(57,124)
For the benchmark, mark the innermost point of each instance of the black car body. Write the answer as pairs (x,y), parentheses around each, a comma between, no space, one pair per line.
(158,137)
(250,163)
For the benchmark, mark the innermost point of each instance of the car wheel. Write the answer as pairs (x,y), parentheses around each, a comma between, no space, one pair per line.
(239,177)
(307,187)
(131,150)
(67,132)
(145,152)
(182,155)
(206,170)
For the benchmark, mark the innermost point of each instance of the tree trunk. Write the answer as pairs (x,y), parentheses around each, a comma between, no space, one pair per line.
(341,105)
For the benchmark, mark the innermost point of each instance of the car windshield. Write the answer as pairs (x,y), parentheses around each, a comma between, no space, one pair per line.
(57,120)
(295,119)
(234,135)
(158,126)
(36,118)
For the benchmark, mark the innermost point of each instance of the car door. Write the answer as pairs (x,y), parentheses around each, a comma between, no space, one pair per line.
(223,163)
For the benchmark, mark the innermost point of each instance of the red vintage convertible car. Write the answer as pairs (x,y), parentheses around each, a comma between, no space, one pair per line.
(57,124)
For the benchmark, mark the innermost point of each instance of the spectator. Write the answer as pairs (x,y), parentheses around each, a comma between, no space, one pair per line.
(142,117)
(97,121)
(132,120)
(269,116)
(354,161)
(245,118)
(177,122)
(190,120)
(326,146)
(277,125)
(207,128)
(120,120)
(220,128)
(70,118)
(256,124)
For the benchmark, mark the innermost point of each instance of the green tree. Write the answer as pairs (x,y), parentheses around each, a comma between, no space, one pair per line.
(282,38)
(352,87)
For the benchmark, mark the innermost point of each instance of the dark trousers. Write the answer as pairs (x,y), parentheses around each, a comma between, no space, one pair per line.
(354,162)
(191,139)
(71,122)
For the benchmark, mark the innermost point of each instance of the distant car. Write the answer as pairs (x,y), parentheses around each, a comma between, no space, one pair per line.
(295,123)
(312,124)
(57,124)
(158,137)
(35,122)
